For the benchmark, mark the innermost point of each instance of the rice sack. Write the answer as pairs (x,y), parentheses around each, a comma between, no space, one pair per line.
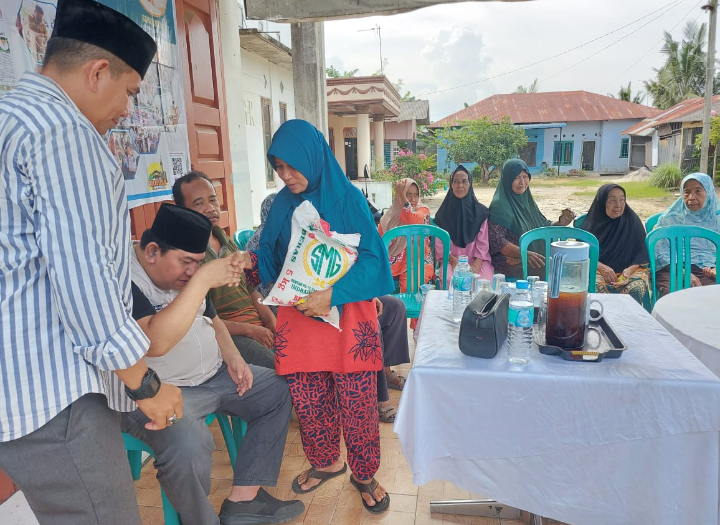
(316,259)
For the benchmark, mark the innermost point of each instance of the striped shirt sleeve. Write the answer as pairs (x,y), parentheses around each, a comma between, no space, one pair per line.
(78,235)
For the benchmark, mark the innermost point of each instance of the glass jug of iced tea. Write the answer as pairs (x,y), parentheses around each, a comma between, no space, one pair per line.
(567,303)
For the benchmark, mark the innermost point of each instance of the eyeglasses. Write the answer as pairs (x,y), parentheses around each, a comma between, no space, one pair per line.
(412,195)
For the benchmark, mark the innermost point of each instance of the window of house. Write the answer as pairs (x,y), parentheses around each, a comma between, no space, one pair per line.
(563,153)
(283,112)
(386,154)
(624,148)
(267,137)
(529,154)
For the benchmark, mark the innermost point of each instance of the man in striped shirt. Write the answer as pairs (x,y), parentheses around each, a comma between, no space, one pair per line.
(67,338)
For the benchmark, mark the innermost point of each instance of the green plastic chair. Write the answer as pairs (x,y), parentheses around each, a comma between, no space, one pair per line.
(561,233)
(415,237)
(241,237)
(578,222)
(232,434)
(679,238)
(652,221)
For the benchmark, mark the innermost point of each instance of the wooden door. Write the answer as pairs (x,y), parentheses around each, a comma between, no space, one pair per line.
(204,90)
(587,161)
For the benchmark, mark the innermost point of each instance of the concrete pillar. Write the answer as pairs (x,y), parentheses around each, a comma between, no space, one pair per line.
(308,45)
(379,129)
(228,16)
(363,143)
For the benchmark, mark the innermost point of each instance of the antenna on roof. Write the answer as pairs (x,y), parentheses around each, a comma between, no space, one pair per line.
(376,29)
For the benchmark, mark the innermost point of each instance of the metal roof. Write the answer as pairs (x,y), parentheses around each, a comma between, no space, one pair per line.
(690,110)
(561,106)
(419,110)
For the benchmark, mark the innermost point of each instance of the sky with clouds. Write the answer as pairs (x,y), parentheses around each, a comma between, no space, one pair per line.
(456,53)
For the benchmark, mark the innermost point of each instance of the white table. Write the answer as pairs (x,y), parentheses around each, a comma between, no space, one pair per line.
(693,317)
(633,440)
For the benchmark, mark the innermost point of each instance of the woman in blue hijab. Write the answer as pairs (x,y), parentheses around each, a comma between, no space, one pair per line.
(331,373)
(697,206)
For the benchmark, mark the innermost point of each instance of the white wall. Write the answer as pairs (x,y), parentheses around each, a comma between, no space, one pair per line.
(255,71)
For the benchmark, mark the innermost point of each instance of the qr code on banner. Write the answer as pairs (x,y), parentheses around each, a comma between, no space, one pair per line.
(178,165)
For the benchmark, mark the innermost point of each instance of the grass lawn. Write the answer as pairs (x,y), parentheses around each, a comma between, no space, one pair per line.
(634,190)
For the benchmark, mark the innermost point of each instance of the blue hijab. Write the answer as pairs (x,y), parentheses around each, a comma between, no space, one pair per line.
(339,203)
(702,250)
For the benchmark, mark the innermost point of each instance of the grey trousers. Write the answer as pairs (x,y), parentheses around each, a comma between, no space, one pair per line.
(253,352)
(74,470)
(183,452)
(393,331)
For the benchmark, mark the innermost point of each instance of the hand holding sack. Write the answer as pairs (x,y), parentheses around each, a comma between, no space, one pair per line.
(316,259)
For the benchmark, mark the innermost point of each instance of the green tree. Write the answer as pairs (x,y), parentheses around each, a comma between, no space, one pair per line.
(332,72)
(683,74)
(483,141)
(625,93)
(532,88)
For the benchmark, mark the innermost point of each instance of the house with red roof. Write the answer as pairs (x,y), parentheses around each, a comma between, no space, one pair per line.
(669,137)
(566,129)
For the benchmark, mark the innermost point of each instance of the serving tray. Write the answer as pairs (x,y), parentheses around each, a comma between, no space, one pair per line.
(611,346)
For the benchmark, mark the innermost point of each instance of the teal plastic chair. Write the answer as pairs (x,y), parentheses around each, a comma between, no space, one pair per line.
(415,238)
(679,238)
(561,233)
(241,237)
(232,434)
(578,222)
(652,221)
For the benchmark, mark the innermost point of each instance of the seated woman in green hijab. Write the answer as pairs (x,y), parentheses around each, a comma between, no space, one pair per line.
(513,211)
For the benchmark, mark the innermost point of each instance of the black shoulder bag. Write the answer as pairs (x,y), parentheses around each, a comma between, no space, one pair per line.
(484,325)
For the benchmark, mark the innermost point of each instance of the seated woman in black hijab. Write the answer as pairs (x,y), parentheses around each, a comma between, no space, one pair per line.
(623,265)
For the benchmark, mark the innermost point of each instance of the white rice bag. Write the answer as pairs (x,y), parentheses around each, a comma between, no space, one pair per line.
(316,259)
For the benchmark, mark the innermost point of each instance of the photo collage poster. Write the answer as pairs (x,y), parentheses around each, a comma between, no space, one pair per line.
(151,143)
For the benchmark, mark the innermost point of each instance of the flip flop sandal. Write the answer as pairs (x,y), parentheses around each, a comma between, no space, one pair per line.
(380,506)
(387,414)
(395,381)
(316,474)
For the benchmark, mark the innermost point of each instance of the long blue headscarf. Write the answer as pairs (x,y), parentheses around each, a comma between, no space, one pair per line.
(702,250)
(339,203)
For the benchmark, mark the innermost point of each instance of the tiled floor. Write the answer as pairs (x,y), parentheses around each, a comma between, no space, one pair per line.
(336,502)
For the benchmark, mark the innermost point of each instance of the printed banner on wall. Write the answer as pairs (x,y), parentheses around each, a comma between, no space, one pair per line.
(151,144)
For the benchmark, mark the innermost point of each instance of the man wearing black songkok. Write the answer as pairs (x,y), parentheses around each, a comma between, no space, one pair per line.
(171,306)
(68,342)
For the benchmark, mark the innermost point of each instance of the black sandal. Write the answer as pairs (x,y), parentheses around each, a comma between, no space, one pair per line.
(316,474)
(370,488)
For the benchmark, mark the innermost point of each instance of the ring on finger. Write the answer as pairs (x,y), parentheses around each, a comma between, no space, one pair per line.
(172,420)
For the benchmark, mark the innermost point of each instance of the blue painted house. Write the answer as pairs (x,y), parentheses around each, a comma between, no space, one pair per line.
(566,129)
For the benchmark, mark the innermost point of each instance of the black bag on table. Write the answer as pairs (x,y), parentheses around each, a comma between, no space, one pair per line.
(484,325)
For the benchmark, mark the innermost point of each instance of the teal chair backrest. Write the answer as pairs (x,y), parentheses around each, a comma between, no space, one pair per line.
(679,238)
(652,221)
(241,237)
(579,220)
(415,236)
(560,233)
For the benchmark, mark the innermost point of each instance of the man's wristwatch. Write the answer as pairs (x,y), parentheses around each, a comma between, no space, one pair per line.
(148,387)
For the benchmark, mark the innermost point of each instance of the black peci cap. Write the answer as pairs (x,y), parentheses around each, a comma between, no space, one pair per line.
(182,228)
(93,23)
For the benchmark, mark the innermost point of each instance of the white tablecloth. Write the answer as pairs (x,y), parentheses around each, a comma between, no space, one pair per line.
(633,440)
(693,317)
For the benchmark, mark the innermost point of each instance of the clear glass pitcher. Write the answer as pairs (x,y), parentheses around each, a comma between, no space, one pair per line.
(567,303)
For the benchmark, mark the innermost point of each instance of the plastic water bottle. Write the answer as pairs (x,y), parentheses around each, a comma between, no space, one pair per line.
(520,324)
(462,283)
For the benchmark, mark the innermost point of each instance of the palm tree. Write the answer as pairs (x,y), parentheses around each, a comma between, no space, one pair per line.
(532,88)
(625,93)
(683,74)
